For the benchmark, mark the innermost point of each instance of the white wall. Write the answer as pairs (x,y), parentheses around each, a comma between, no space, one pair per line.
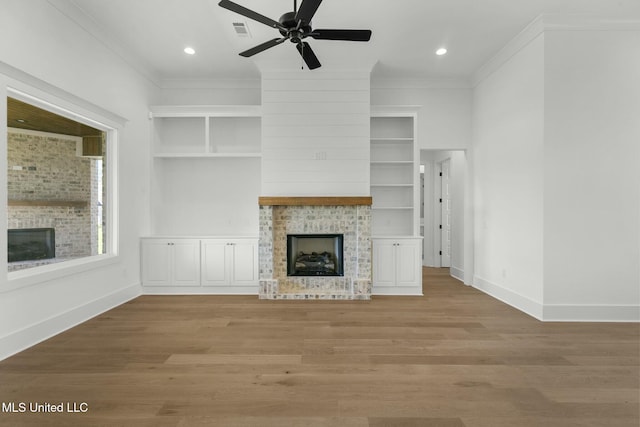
(444,114)
(315,133)
(217,92)
(60,58)
(508,136)
(556,166)
(592,174)
(206,197)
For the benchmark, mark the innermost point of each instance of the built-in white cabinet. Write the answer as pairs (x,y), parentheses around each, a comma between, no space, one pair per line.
(395,190)
(397,266)
(200,265)
(170,262)
(205,183)
(229,262)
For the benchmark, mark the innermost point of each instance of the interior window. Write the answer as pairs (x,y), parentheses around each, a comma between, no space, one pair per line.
(57,187)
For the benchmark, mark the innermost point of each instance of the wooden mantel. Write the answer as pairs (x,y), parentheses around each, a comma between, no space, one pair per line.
(315,201)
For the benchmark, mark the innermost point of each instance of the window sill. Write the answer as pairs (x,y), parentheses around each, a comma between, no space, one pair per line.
(23,278)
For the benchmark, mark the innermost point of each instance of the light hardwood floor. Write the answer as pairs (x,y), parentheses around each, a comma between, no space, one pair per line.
(452,358)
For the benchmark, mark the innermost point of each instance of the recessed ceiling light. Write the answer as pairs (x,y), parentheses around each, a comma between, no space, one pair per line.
(189,50)
(441,51)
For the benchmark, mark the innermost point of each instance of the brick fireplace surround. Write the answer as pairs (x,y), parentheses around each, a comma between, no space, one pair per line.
(350,216)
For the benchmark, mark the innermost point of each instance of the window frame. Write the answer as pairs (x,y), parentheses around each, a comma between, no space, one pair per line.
(83,112)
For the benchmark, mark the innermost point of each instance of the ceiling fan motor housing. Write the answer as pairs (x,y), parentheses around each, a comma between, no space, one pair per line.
(294,32)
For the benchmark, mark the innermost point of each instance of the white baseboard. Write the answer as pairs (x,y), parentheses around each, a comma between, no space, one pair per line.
(34,334)
(591,313)
(560,312)
(396,291)
(200,290)
(457,273)
(522,303)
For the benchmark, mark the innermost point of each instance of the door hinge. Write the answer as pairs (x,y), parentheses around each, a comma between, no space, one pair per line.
(440,200)
(440,252)
(440,173)
(440,226)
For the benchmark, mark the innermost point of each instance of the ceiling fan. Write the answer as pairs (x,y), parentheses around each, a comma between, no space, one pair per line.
(296,26)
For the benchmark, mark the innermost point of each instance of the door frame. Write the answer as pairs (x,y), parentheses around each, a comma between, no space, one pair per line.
(437,212)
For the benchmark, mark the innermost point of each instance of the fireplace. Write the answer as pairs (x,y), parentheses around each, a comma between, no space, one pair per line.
(315,255)
(29,244)
(337,229)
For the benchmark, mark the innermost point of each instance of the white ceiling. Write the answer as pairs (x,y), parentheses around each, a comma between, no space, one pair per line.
(151,34)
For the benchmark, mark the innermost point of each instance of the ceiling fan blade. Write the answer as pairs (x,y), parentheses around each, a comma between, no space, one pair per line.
(262,47)
(307,54)
(234,7)
(307,10)
(349,35)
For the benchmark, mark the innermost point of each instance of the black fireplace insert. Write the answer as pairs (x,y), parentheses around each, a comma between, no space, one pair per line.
(28,244)
(315,255)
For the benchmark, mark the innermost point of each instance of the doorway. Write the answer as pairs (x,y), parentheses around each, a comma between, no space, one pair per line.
(443,211)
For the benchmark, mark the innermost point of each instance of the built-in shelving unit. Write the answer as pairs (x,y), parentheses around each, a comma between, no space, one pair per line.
(205,170)
(394,185)
(206,131)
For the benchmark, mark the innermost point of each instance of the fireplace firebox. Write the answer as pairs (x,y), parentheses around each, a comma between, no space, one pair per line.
(315,255)
(29,244)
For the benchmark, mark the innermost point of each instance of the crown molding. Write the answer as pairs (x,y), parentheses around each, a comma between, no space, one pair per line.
(519,42)
(588,23)
(210,83)
(413,83)
(547,23)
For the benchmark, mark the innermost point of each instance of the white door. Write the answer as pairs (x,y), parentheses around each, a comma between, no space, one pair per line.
(445,221)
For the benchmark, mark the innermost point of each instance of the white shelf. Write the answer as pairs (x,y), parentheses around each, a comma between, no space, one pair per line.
(206,111)
(392,162)
(383,139)
(392,185)
(391,208)
(205,155)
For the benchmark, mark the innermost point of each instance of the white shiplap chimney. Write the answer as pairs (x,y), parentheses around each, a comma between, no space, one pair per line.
(315,133)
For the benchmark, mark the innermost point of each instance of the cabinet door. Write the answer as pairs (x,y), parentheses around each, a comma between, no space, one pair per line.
(186,262)
(214,262)
(408,263)
(384,263)
(245,262)
(156,263)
